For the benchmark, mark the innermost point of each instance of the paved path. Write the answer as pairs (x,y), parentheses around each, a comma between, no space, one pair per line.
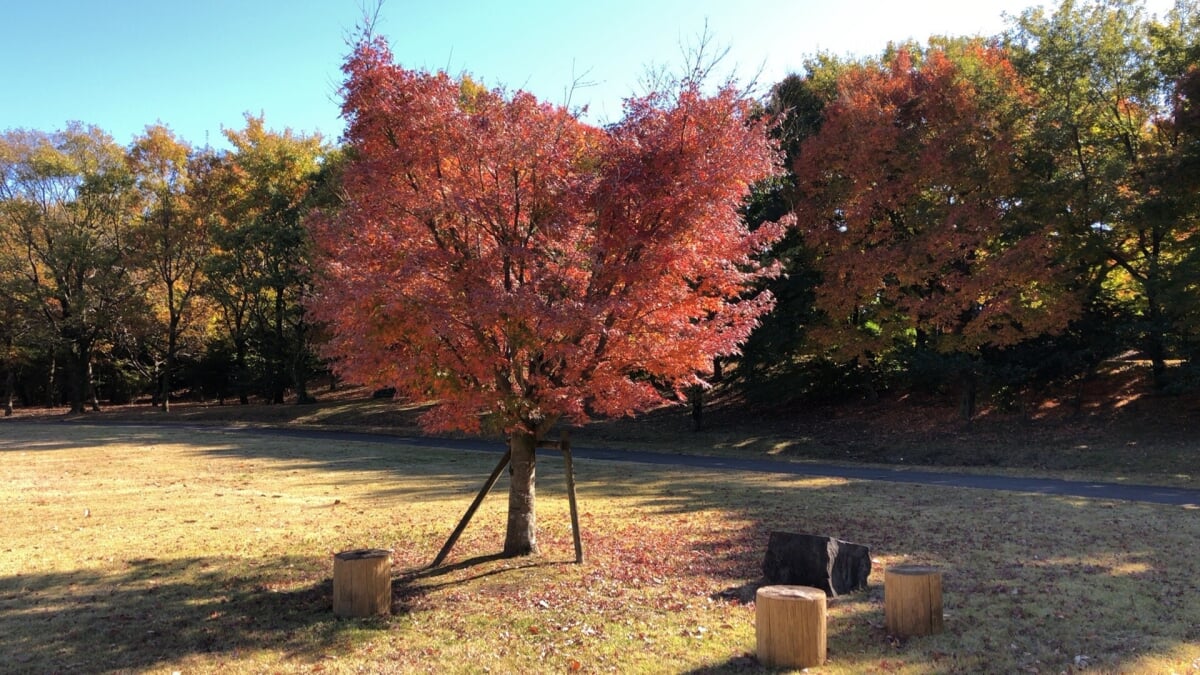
(1047,486)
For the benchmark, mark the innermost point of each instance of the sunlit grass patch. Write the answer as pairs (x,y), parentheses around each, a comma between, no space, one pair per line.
(164,550)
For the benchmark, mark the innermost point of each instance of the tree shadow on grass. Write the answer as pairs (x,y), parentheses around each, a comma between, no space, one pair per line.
(410,588)
(25,436)
(149,612)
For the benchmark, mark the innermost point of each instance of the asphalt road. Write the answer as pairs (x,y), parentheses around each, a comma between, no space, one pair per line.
(1046,486)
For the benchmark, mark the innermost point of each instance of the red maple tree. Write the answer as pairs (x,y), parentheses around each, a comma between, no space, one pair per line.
(910,197)
(514,265)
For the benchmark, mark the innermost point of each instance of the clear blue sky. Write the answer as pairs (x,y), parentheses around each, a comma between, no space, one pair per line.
(199,65)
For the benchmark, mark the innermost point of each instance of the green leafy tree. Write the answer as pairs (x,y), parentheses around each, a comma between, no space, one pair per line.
(68,202)
(229,270)
(1103,149)
(779,362)
(260,272)
(1173,177)
(15,324)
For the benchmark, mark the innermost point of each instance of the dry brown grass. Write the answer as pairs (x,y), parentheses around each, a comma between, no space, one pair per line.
(173,550)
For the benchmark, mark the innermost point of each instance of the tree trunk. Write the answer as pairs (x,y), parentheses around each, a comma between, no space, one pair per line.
(168,368)
(695,396)
(966,401)
(276,361)
(521,536)
(172,344)
(300,366)
(164,389)
(239,365)
(10,386)
(50,381)
(302,395)
(91,385)
(1157,327)
(77,379)
(1155,348)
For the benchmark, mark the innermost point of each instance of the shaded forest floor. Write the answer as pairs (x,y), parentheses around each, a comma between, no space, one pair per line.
(1113,428)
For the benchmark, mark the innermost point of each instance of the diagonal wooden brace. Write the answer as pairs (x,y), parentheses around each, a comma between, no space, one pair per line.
(462,524)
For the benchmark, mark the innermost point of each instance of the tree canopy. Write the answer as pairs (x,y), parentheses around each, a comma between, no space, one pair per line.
(503,258)
(510,263)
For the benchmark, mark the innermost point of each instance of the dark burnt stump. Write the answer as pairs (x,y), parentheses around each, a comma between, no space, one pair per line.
(832,565)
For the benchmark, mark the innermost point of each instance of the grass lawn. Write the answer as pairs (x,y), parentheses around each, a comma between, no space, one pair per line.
(175,550)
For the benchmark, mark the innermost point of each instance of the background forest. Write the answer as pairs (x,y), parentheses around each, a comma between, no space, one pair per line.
(982,217)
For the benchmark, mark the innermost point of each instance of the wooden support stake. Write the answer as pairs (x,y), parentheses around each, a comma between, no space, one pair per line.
(570,468)
(912,600)
(362,582)
(462,524)
(789,626)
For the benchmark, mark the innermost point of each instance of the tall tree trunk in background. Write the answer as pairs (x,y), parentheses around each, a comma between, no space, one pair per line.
(300,364)
(169,366)
(302,395)
(521,535)
(10,378)
(50,384)
(91,385)
(10,385)
(1154,344)
(967,395)
(77,380)
(239,369)
(1158,362)
(696,396)
(695,399)
(276,360)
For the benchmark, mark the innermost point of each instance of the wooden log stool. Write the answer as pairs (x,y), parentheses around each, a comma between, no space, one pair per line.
(912,600)
(789,625)
(362,582)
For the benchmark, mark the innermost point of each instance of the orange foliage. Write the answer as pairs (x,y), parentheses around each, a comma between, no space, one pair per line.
(501,257)
(909,196)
